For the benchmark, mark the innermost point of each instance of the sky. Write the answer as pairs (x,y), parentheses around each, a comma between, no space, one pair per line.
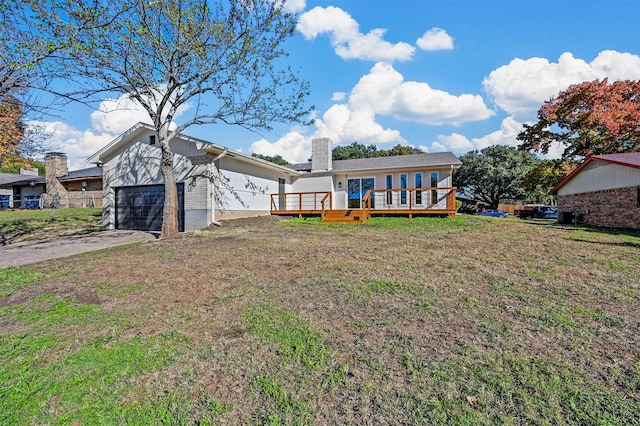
(437,75)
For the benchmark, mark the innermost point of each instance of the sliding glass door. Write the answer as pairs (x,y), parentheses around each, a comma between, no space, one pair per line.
(356,190)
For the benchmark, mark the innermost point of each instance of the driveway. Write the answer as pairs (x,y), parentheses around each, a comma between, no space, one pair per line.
(37,251)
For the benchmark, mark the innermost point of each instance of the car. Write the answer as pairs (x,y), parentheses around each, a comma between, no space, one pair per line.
(494,213)
(538,212)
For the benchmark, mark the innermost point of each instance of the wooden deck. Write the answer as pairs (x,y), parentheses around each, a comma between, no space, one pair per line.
(407,202)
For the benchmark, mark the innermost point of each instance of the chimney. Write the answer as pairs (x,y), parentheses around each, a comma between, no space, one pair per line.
(55,165)
(321,155)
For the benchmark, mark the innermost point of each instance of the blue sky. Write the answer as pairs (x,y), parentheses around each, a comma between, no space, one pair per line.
(439,75)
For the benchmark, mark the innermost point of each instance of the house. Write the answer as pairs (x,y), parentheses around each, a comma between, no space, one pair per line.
(59,188)
(216,183)
(6,185)
(603,191)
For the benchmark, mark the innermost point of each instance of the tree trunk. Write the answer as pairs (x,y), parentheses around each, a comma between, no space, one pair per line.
(170,213)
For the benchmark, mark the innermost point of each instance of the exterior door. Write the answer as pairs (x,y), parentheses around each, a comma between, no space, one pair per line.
(356,190)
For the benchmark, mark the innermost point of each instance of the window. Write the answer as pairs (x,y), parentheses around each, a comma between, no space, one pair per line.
(418,188)
(152,139)
(403,185)
(434,184)
(389,185)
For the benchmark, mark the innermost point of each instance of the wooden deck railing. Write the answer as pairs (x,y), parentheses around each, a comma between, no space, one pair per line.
(406,201)
(301,202)
(411,199)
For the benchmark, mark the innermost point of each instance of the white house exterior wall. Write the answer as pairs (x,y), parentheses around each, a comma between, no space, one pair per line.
(598,176)
(245,189)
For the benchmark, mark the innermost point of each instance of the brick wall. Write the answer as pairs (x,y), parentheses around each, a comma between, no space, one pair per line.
(616,208)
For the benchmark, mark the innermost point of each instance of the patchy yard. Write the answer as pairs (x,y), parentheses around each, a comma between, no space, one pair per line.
(28,225)
(266,321)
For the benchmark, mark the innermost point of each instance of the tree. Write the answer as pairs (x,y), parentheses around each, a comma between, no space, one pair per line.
(403,150)
(353,151)
(589,118)
(11,129)
(276,159)
(357,150)
(543,177)
(217,60)
(494,173)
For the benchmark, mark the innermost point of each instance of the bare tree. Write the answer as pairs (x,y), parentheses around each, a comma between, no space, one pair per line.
(218,59)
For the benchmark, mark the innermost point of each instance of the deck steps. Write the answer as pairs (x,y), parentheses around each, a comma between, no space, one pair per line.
(345,216)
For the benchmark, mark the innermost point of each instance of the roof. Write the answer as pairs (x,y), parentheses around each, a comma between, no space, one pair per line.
(627,159)
(23,181)
(207,146)
(91,172)
(436,159)
(13,177)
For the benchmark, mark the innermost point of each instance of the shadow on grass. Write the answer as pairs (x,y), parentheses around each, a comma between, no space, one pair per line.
(595,230)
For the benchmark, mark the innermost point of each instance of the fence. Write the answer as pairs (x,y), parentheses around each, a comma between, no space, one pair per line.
(44,201)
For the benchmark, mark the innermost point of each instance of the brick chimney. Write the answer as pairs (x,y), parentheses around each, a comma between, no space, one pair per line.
(55,164)
(321,155)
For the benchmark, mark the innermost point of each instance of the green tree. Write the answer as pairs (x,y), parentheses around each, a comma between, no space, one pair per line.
(543,177)
(213,61)
(276,159)
(494,174)
(353,151)
(404,150)
(590,118)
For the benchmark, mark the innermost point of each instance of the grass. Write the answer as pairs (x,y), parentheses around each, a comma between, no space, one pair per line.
(431,321)
(23,225)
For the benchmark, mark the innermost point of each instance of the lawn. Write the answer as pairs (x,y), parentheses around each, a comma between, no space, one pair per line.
(270,321)
(24,225)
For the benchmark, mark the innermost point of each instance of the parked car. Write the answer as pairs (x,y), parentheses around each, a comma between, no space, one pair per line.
(494,213)
(538,212)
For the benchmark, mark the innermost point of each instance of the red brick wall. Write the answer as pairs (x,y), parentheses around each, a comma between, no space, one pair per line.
(616,208)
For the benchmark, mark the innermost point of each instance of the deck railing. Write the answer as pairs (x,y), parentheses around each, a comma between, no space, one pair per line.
(412,199)
(440,200)
(301,202)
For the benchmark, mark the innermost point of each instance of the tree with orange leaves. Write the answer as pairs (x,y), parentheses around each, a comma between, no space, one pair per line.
(11,129)
(590,118)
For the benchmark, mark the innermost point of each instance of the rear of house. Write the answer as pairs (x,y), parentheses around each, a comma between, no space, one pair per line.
(216,183)
(603,191)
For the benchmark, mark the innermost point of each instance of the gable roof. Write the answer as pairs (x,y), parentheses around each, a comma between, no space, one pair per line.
(436,159)
(207,146)
(628,159)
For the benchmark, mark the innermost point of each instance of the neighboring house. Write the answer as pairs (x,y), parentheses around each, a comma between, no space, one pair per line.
(603,191)
(6,185)
(217,183)
(59,188)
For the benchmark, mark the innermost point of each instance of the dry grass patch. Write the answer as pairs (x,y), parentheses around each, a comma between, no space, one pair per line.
(270,321)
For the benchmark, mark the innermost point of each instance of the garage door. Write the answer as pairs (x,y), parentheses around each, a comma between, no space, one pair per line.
(141,207)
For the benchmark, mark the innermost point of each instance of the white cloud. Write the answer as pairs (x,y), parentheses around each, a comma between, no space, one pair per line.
(346,38)
(522,86)
(294,6)
(435,39)
(115,116)
(293,147)
(112,118)
(77,144)
(459,144)
(385,90)
(382,91)
(338,96)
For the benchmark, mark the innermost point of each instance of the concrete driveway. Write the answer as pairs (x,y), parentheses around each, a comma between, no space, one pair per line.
(36,251)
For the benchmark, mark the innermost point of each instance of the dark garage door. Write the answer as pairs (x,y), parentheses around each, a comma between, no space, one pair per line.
(141,207)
